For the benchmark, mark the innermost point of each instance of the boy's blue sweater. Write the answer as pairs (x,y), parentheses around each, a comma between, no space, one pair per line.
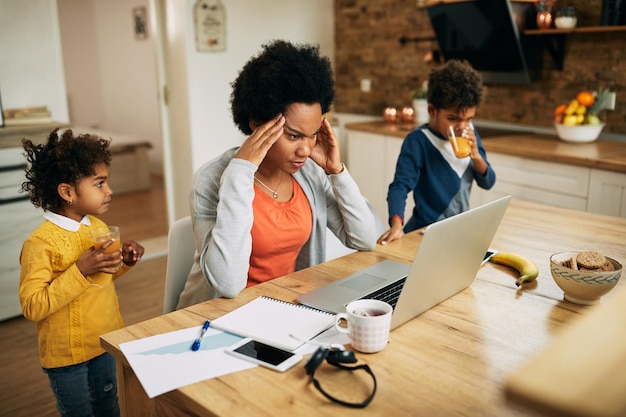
(441,182)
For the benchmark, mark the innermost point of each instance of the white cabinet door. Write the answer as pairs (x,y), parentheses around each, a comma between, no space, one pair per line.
(548,176)
(550,183)
(607,193)
(20,219)
(392,151)
(366,162)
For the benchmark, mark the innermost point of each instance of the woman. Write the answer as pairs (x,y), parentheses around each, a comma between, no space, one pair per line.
(261,211)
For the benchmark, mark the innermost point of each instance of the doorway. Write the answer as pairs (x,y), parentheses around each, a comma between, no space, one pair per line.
(112,86)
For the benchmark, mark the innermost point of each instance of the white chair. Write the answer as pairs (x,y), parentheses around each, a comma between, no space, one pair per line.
(334,247)
(181,246)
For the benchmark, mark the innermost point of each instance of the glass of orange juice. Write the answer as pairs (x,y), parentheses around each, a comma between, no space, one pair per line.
(102,235)
(460,142)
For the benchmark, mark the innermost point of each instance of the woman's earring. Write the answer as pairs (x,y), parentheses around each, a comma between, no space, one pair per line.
(69,202)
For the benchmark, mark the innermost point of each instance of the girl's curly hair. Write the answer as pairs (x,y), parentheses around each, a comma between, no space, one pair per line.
(61,160)
(455,85)
(280,75)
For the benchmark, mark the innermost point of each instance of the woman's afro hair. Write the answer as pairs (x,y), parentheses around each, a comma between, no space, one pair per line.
(281,74)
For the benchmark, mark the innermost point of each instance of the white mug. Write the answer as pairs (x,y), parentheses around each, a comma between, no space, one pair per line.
(368,324)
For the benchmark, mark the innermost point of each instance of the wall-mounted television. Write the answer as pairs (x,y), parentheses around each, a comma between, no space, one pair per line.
(486,33)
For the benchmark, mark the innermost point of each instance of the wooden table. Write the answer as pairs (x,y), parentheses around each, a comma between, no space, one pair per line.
(451,360)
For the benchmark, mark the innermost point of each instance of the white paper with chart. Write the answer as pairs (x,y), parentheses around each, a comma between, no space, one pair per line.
(165,362)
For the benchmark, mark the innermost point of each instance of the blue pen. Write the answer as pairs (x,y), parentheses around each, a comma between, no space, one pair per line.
(198,341)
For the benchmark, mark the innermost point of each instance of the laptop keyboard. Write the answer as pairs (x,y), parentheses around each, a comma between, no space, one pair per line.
(389,294)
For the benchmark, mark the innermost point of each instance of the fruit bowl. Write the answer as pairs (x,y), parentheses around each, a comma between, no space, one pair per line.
(578,133)
(583,287)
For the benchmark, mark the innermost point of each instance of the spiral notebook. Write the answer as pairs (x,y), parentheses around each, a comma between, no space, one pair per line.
(275,322)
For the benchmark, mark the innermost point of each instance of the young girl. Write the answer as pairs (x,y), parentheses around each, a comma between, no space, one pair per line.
(66,285)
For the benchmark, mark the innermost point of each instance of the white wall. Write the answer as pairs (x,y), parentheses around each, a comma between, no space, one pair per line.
(249,24)
(31,68)
(81,63)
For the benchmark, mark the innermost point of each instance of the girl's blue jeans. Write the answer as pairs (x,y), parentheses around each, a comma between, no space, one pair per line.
(88,389)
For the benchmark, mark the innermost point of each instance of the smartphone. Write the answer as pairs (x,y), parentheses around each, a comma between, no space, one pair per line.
(488,255)
(265,355)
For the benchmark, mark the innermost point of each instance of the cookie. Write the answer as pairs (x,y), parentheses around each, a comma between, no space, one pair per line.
(590,260)
(608,266)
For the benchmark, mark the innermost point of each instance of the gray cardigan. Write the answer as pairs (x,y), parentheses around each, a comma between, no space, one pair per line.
(221,212)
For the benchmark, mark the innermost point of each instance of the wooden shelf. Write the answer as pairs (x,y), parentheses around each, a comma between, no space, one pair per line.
(582,29)
(554,38)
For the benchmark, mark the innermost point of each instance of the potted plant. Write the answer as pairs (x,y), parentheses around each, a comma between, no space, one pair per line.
(420,103)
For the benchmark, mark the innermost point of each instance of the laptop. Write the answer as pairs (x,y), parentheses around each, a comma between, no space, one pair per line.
(447,261)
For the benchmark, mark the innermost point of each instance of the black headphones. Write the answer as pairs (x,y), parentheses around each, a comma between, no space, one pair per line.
(337,356)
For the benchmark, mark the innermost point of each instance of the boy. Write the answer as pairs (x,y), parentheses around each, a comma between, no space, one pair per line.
(440,181)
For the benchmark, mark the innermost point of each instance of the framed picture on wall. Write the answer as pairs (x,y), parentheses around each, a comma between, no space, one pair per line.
(140,22)
(210,25)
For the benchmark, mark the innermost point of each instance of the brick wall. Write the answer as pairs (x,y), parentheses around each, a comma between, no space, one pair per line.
(367,47)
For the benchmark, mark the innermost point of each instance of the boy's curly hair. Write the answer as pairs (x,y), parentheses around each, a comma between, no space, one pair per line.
(281,74)
(61,160)
(455,85)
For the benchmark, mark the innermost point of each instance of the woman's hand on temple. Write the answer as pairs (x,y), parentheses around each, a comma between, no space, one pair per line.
(326,151)
(255,148)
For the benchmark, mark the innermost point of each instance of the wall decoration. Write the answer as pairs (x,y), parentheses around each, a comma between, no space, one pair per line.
(140,22)
(210,26)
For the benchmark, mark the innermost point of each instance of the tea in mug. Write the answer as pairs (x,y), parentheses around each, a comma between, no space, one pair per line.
(369,312)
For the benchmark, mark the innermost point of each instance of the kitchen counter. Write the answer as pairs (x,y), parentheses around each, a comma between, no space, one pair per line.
(602,154)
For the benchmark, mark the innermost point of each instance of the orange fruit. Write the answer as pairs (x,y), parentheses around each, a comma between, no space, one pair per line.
(585,98)
(560,109)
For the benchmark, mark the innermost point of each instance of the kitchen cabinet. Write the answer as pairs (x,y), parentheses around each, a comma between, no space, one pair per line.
(607,193)
(19,219)
(24,219)
(550,183)
(372,163)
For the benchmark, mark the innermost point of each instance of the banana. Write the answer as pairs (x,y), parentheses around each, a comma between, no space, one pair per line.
(527,269)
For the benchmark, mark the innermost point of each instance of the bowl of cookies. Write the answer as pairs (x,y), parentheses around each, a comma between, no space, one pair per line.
(584,276)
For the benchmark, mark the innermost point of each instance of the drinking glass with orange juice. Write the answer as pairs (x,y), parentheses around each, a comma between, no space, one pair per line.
(103,234)
(460,142)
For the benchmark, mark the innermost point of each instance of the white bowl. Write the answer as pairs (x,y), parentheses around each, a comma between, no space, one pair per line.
(578,133)
(583,287)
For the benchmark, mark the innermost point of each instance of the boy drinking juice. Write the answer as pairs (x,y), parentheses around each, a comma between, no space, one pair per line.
(440,171)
